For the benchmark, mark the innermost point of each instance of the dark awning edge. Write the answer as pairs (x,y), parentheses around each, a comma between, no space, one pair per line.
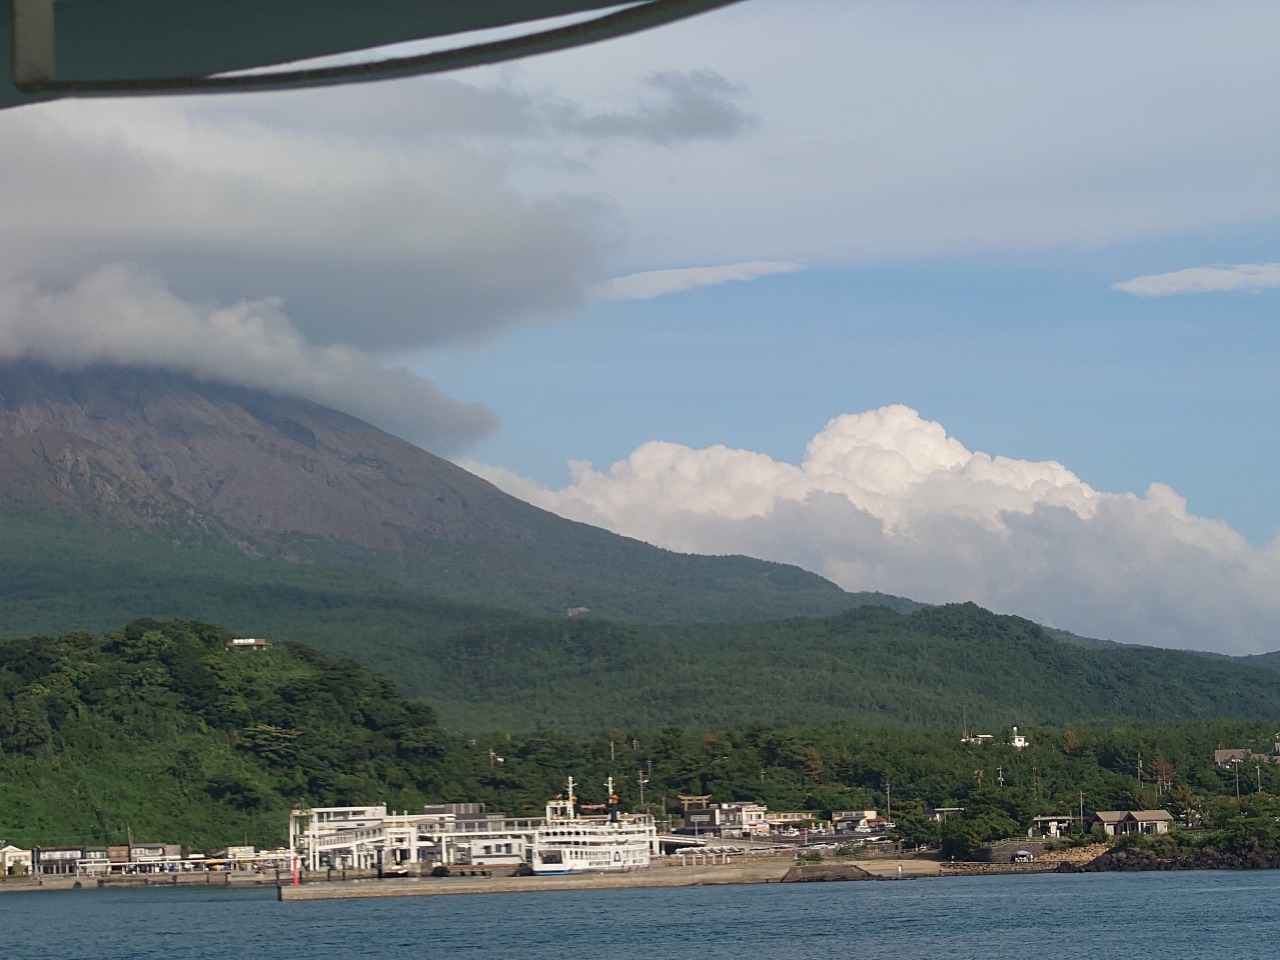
(633,19)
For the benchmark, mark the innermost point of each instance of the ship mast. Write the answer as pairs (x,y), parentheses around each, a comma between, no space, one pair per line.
(611,804)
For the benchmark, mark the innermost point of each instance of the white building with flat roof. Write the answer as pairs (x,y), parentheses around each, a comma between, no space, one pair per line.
(451,834)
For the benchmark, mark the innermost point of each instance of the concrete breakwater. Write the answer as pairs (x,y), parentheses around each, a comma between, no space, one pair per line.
(336,885)
(221,878)
(969,868)
(773,870)
(733,873)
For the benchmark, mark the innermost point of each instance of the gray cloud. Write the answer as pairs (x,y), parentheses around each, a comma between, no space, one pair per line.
(307,240)
(690,105)
(382,249)
(406,111)
(369,227)
(893,131)
(121,315)
(695,105)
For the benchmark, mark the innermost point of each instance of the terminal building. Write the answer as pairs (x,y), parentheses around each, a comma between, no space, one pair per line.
(447,834)
(455,834)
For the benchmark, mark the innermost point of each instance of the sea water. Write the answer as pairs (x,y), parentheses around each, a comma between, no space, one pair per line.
(1097,916)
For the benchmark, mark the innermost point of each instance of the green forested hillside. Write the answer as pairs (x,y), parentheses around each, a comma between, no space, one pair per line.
(485,668)
(160,730)
(938,666)
(61,573)
(903,771)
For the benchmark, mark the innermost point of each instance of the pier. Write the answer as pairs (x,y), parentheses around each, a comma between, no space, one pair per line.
(765,870)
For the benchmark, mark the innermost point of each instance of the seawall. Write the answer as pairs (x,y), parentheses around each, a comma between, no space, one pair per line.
(773,870)
(667,876)
(80,882)
(970,868)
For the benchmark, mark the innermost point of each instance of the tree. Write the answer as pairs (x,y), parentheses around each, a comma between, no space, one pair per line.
(1070,742)
(1185,805)
(961,837)
(915,830)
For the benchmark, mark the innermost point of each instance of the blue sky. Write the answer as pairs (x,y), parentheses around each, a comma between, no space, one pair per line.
(960,302)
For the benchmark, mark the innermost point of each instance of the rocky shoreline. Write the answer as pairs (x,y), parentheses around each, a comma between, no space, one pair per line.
(1133,860)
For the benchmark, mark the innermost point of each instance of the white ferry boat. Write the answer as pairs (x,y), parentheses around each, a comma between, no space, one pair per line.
(570,842)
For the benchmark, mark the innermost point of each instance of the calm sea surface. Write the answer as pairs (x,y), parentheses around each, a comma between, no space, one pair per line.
(1100,917)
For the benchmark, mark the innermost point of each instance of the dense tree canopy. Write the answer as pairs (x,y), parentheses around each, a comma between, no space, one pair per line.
(162,730)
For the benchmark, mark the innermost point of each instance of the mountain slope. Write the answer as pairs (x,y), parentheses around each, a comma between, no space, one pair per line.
(199,463)
(127,493)
(939,666)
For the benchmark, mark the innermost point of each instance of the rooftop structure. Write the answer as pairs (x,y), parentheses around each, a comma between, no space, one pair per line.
(247,643)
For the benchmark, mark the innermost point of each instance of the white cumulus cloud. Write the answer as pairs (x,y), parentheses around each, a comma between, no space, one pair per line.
(886,500)
(1242,276)
(659,283)
(121,315)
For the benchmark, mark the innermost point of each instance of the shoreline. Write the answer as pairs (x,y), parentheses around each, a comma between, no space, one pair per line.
(221,880)
(669,874)
(749,872)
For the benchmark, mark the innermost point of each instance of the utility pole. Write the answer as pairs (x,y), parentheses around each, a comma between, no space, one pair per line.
(642,780)
(1000,775)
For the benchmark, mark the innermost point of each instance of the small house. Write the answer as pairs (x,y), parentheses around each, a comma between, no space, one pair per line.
(14,860)
(248,643)
(727,820)
(1050,827)
(56,861)
(1118,823)
(853,821)
(1149,821)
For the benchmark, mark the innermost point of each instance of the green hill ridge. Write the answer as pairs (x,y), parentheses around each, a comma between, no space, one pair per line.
(162,731)
(933,667)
